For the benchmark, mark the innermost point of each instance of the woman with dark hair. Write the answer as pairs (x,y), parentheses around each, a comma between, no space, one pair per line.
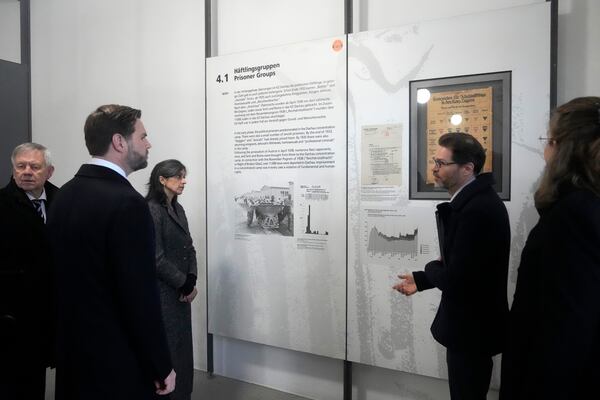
(553,348)
(176,268)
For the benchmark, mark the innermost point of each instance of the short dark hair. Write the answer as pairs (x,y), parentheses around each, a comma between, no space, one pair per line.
(166,169)
(104,122)
(465,149)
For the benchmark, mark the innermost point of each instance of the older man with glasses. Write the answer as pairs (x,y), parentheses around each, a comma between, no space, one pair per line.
(472,271)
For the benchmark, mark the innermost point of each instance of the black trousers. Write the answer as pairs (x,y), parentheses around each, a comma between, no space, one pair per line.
(22,370)
(469,375)
(19,383)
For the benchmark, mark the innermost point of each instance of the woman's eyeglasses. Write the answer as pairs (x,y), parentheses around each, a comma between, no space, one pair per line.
(547,140)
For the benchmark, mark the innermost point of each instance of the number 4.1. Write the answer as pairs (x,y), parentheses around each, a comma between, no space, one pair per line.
(226,76)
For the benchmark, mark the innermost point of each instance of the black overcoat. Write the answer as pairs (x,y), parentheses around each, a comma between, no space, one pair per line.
(111,339)
(175,259)
(475,236)
(554,336)
(26,303)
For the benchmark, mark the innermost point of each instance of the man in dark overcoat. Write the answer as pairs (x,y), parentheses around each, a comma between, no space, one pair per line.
(26,304)
(111,338)
(472,271)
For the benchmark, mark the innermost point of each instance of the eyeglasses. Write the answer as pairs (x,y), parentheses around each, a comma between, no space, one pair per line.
(439,163)
(547,140)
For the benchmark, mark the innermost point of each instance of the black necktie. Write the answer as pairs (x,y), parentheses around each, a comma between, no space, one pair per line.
(37,203)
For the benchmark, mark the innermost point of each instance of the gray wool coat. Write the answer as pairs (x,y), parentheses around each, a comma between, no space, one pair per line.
(175,258)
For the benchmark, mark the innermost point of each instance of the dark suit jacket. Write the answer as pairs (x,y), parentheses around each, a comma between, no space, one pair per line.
(111,339)
(554,336)
(473,310)
(25,280)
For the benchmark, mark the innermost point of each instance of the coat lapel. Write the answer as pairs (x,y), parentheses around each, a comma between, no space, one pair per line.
(442,215)
(176,218)
(20,196)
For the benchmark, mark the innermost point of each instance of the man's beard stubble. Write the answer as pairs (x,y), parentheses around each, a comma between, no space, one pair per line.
(136,161)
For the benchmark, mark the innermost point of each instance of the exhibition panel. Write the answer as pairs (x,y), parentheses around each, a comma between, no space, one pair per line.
(407,86)
(276,194)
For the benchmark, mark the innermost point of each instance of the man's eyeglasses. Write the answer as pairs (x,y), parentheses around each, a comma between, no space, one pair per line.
(439,163)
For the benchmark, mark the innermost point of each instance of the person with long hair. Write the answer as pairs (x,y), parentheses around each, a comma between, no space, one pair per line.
(176,268)
(554,332)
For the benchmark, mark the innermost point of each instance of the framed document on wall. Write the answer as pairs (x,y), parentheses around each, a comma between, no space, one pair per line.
(475,104)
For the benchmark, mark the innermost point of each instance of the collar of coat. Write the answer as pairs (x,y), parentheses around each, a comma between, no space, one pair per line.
(19,195)
(175,215)
(100,172)
(482,182)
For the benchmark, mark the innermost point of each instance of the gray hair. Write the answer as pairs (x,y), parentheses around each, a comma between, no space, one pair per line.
(31,147)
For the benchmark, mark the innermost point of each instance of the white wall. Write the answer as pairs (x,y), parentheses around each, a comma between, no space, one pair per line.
(149,55)
(379,14)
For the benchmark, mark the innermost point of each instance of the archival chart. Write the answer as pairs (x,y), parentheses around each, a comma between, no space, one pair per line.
(276,175)
(389,234)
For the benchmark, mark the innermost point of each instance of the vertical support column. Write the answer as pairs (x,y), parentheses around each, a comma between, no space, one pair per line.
(553,52)
(26,56)
(347,380)
(348,28)
(15,96)
(207,54)
(208,28)
(348,16)
(210,366)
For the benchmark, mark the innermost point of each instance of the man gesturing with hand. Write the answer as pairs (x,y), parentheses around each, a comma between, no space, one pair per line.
(472,271)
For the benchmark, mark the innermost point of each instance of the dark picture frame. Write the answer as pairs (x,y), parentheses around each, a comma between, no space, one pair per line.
(483,105)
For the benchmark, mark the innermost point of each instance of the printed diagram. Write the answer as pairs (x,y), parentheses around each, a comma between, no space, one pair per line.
(313,210)
(267,211)
(401,245)
(308,230)
(396,237)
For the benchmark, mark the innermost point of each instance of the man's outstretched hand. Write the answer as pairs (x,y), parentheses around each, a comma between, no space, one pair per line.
(407,285)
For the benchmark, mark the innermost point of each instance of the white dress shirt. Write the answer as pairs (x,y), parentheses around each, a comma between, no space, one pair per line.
(104,163)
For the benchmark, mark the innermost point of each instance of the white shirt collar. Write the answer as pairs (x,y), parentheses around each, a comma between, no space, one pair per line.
(42,196)
(461,188)
(105,163)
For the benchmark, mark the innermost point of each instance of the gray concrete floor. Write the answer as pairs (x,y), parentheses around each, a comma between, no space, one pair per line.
(212,388)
